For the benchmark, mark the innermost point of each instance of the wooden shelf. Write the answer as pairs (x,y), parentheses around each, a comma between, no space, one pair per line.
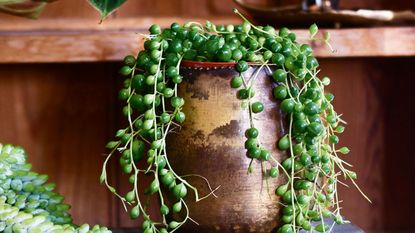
(76,40)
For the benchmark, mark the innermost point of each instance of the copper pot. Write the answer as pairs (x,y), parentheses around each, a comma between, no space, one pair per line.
(211,143)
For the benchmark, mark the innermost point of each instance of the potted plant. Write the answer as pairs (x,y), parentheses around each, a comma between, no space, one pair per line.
(204,103)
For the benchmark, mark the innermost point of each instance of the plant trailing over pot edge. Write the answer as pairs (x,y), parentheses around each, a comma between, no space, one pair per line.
(154,109)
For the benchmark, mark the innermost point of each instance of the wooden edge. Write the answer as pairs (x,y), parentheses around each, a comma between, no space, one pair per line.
(121,24)
(81,43)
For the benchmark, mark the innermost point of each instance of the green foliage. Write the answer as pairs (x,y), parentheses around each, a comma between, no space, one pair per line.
(27,190)
(27,202)
(14,220)
(106,7)
(153,108)
(31,8)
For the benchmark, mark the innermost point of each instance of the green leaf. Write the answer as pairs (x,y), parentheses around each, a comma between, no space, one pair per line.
(339,129)
(344,150)
(112,189)
(244,104)
(25,8)
(106,7)
(120,133)
(327,36)
(112,144)
(102,177)
(313,30)
(210,26)
(352,175)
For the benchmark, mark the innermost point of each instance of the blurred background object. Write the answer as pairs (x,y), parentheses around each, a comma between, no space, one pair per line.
(320,5)
(323,12)
(24,8)
(58,98)
(33,8)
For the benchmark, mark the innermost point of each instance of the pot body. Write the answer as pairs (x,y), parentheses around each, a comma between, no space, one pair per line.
(211,143)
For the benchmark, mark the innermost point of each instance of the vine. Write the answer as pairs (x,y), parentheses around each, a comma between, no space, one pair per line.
(153,109)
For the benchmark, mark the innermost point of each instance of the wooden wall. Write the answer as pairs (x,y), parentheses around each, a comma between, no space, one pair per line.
(189,8)
(377,100)
(63,114)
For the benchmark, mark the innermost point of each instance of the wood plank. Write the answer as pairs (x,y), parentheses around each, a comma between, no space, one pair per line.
(371,42)
(76,40)
(111,43)
(186,8)
(357,93)
(129,24)
(85,40)
(68,48)
(151,8)
(377,100)
(398,99)
(64,124)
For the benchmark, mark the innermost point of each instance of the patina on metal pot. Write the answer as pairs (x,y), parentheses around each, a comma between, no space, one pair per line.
(211,143)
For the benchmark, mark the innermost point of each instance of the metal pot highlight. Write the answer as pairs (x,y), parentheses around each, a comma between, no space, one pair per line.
(211,144)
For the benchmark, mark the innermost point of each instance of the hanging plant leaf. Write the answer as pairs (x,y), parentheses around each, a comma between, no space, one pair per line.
(25,8)
(106,7)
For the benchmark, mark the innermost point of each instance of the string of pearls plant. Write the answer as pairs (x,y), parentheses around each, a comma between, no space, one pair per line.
(153,109)
(28,203)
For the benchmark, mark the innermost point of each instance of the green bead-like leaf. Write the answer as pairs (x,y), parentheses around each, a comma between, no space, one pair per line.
(313,30)
(344,150)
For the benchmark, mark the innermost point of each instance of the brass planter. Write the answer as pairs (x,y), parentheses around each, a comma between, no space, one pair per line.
(211,144)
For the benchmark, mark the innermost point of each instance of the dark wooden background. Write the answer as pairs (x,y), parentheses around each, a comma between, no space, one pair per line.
(64,114)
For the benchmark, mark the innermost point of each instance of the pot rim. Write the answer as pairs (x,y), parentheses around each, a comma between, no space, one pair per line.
(213,65)
(202,64)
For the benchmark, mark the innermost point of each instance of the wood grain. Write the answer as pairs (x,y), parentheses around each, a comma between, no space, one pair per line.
(47,42)
(52,110)
(64,113)
(62,116)
(130,24)
(189,8)
(398,99)
(377,100)
(357,97)
(134,8)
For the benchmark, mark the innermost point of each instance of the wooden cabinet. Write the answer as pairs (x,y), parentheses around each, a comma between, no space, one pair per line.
(58,88)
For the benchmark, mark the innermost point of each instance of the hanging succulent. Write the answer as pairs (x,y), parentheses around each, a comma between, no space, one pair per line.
(153,109)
